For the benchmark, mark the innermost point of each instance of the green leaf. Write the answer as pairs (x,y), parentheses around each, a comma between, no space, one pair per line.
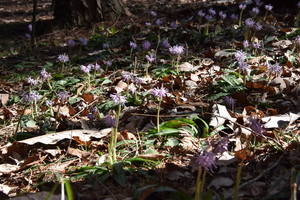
(166,131)
(171,142)
(119,173)
(30,123)
(106,81)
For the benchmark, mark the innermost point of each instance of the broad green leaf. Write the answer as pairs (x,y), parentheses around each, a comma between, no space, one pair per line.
(30,123)
(119,173)
(171,142)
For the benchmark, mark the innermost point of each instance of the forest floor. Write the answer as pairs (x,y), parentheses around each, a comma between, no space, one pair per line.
(217,119)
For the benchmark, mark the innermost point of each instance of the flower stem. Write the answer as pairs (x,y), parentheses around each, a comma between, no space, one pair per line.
(238,181)
(112,152)
(158,113)
(198,184)
(19,120)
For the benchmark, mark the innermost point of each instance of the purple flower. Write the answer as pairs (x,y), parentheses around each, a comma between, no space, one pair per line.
(71,43)
(30,27)
(151,57)
(109,121)
(107,63)
(201,13)
(49,103)
(173,25)
(256,45)
(63,58)
(206,160)
(255,125)
(148,24)
(159,92)
(90,116)
(255,10)
(153,13)
(258,26)
(249,22)
(94,109)
(63,96)
(211,11)
(158,22)
(209,18)
(83,41)
(242,6)
(31,81)
(243,66)
(139,81)
(245,44)
(118,98)
(220,146)
(97,67)
(132,45)
(126,75)
(30,97)
(258,3)
(27,35)
(146,45)
(44,74)
(297,39)
(240,56)
(105,45)
(229,101)
(268,7)
(222,15)
(165,43)
(234,17)
(275,69)
(176,50)
(85,69)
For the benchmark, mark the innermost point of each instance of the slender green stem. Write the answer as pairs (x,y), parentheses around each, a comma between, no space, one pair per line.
(89,79)
(19,120)
(198,184)
(147,66)
(240,19)
(238,181)
(203,181)
(158,113)
(112,152)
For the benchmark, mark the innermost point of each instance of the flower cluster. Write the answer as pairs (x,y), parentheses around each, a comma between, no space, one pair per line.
(89,67)
(63,58)
(132,45)
(30,97)
(31,81)
(206,160)
(255,125)
(150,58)
(275,69)
(63,96)
(160,92)
(118,98)
(146,45)
(83,41)
(240,56)
(176,50)
(44,74)
(126,75)
(229,101)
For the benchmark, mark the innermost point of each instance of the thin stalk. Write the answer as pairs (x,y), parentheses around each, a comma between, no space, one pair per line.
(19,120)
(198,184)
(240,19)
(238,181)
(158,113)
(203,180)
(112,152)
